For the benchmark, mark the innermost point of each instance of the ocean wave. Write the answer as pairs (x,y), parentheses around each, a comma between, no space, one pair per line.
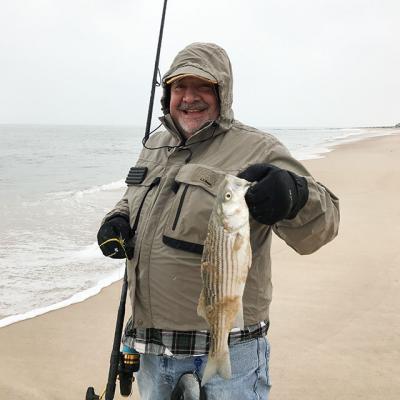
(56,253)
(347,135)
(94,189)
(311,153)
(63,257)
(76,298)
(355,135)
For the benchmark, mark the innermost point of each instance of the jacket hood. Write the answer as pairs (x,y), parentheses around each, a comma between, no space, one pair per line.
(209,61)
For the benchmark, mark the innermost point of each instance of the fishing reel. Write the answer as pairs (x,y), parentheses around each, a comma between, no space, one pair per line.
(128,364)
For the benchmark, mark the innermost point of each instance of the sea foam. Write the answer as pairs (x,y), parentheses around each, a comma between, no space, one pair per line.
(76,298)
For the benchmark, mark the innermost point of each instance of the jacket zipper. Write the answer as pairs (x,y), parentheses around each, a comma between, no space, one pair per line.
(178,211)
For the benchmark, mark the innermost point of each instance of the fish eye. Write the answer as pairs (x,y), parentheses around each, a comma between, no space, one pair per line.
(228,195)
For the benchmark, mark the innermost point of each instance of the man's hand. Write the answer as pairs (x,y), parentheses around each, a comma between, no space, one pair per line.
(278,194)
(113,238)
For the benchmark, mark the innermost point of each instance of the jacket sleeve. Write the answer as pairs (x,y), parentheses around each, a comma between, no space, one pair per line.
(317,223)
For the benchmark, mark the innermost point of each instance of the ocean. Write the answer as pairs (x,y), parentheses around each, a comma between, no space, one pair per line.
(57,183)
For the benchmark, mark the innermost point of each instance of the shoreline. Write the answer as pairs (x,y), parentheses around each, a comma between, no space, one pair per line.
(332,144)
(335,314)
(74,299)
(322,152)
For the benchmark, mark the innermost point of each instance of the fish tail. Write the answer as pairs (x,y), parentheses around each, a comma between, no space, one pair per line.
(217,364)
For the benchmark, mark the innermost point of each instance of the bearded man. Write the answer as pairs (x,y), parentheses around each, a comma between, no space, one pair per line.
(163,217)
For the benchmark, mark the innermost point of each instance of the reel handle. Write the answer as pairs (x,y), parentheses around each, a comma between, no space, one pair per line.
(91,395)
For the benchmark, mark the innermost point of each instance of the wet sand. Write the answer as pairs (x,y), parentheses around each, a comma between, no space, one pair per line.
(335,317)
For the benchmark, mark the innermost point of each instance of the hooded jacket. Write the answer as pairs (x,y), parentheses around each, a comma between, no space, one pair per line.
(169,205)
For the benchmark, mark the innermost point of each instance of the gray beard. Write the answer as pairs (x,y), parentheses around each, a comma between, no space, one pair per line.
(187,134)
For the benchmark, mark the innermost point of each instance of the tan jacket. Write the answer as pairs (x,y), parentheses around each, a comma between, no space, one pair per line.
(176,199)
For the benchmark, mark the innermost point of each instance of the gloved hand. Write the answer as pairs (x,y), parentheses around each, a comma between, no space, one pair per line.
(278,194)
(113,237)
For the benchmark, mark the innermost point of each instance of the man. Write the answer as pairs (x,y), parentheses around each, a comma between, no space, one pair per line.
(164,215)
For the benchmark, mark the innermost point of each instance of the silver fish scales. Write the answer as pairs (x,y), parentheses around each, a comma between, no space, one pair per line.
(224,267)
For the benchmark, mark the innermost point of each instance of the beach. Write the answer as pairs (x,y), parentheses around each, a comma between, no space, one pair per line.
(335,315)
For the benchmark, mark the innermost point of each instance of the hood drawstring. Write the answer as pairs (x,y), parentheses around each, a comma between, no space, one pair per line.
(182,145)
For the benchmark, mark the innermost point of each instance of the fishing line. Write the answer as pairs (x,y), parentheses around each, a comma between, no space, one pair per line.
(120,241)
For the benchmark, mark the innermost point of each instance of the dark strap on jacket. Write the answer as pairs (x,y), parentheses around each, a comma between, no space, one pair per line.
(183,245)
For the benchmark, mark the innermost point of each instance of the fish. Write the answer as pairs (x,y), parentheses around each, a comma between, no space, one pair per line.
(225,262)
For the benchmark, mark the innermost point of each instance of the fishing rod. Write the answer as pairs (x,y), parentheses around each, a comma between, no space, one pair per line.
(115,354)
(118,364)
(156,70)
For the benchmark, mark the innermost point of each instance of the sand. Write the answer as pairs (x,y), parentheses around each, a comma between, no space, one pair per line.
(335,317)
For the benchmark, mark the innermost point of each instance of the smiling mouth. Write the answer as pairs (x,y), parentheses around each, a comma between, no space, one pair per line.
(192,111)
(196,107)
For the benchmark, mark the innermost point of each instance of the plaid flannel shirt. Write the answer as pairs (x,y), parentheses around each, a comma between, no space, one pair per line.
(184,343)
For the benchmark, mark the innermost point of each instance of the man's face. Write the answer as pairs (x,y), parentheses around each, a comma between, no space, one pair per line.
(193,103)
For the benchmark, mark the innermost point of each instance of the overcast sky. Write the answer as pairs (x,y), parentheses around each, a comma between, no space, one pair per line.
(295,63)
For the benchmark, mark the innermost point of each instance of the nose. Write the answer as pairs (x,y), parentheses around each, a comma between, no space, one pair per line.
(190,95)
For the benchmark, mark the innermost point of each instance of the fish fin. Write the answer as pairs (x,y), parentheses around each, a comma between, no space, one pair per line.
(239,320)
(201,307)
(219,364)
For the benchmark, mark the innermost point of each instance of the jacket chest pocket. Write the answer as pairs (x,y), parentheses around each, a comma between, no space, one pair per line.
(196,188)
(140,197)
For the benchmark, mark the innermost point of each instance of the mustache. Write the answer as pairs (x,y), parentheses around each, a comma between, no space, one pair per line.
(197,105)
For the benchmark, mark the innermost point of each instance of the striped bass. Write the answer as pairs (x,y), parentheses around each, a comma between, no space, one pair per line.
(225,263)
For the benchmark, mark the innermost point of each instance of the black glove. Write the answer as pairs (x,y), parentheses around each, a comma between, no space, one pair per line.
(113,238)
(278,194)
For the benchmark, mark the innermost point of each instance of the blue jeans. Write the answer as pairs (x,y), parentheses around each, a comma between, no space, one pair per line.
(158,375)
